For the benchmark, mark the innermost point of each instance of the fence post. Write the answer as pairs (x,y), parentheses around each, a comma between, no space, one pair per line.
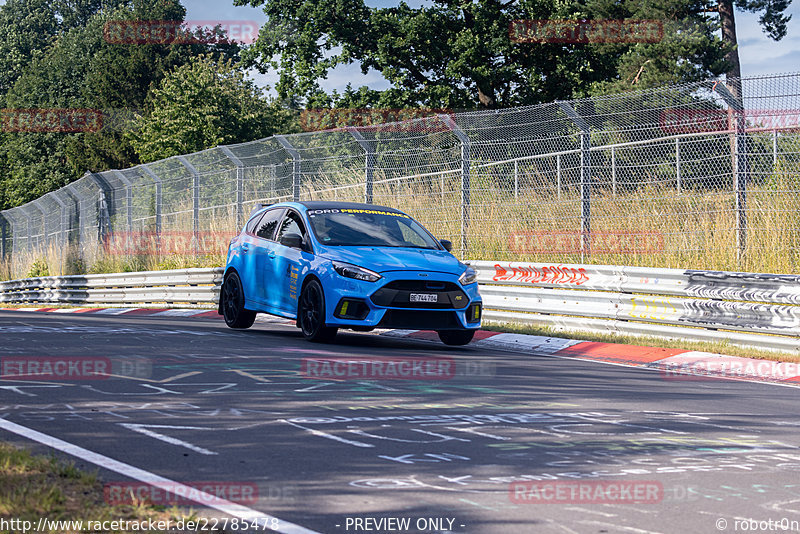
(678,176)
(295,165)
(195,200)
(106,207)
(774,150)
(43,234)
(128,200)
(613,171)
(79,201)
(64,222)
(369,152)
(516,179)
(558,174)
(586,178)
(239,184)
(741,172)
(3,235)
(465,178)
(159,199)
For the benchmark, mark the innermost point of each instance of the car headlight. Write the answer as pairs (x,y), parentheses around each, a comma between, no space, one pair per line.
(354,271)
(470,276)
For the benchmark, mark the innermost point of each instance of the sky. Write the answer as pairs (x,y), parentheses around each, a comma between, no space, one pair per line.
(758,54)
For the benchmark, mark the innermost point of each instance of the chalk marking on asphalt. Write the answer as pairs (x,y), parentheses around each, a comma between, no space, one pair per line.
(248,375)
(264,520)
(322,434)
(163,381)
(478,433)
(168,439)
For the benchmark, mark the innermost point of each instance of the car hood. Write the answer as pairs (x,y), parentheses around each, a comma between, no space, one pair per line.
(383,259)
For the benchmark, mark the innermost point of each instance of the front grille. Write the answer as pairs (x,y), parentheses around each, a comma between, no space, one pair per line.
(420,320)
(397,294)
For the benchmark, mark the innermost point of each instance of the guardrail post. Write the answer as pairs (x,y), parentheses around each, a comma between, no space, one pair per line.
(195,200)
(239,184)
(465,177)
(159,198)
(586,177)
(369,163)
(295,165)
(741,171)
(128,199)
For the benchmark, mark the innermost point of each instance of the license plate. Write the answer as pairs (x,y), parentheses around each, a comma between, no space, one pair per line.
(424,297)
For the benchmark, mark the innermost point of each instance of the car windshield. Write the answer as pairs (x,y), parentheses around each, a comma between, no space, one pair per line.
(366,227)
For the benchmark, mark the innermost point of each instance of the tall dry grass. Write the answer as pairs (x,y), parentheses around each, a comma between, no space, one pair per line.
(695,228)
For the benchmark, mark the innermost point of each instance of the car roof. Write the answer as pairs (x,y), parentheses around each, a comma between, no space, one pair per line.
(325,204)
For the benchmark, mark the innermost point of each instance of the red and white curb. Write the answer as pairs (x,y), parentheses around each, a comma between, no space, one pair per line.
(677,364)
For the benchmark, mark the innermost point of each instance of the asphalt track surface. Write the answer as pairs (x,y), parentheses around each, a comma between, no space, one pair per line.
(194,401)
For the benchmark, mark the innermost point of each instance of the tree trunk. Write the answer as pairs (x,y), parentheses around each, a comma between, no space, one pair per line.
(728,23)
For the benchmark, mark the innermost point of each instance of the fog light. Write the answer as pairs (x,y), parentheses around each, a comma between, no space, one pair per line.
(474,313)
(351,309)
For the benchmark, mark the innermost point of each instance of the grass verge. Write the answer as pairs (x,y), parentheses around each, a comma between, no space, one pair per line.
(33,486)
(720,347)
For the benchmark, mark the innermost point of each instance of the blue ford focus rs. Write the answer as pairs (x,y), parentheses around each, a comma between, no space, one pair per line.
(332,265)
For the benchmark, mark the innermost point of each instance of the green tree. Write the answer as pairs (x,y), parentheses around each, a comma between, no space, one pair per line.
(202,104)
(455,54)
(80,69)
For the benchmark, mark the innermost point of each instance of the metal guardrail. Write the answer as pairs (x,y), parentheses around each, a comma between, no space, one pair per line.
(751,309)
(184,287)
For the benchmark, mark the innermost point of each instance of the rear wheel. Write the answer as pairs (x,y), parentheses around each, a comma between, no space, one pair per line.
(456,337)
(232,295)
(311,314)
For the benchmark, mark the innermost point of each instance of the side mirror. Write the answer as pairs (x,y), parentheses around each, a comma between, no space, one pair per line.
(292,240)
(448,246)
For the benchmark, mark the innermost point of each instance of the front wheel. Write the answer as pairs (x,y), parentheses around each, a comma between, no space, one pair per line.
(232,295)
(311,314)
(456,337)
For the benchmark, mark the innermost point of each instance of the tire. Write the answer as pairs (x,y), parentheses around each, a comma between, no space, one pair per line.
(311,314)
(456,337)
(232,301)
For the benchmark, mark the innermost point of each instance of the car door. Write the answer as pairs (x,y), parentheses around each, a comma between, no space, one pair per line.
(292,263)
(265,289)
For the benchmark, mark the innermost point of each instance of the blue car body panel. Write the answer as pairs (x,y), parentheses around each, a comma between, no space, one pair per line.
(273,275)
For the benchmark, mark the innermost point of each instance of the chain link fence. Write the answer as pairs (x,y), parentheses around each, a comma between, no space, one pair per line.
(702,175)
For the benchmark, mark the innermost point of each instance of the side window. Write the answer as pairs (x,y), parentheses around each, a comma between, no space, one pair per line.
(411,237)
(292,224)
(251,224)
(268,223)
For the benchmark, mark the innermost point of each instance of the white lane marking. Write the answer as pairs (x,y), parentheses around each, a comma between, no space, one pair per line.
(178,313)
(265,521)
(322,434)
(168,439)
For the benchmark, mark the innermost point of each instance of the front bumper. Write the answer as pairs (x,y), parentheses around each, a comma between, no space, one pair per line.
(387,303)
